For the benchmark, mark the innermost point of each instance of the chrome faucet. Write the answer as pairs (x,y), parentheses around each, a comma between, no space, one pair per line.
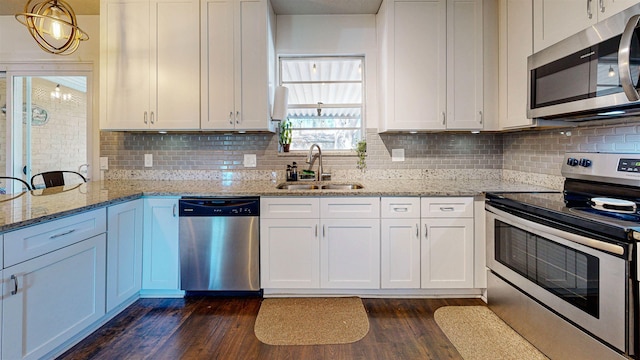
(312,158)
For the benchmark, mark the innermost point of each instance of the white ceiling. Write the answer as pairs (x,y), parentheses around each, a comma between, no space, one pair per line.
(281,7)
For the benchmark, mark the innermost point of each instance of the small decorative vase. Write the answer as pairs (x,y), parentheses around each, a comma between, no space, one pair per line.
(285,147)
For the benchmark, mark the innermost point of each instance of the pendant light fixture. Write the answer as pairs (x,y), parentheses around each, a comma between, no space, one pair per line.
(53,24)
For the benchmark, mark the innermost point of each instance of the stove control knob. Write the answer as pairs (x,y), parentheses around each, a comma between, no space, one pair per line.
(572,162)
(585,162)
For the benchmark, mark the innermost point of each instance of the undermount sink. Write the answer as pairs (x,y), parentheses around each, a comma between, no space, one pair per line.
(289,186)
(342,186)
(297,187)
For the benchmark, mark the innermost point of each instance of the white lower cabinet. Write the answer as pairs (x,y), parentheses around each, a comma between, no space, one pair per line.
(160,251)
(124,252)
(447,248)
(289,253)
(350,243)
(350,254)
(400,243)
(311,243)
(50,298)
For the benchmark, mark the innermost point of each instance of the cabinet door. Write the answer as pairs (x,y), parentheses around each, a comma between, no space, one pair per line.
(218,109)
(252,85)
(607,8)
(289,253)
(516,44)
(447,253)
(554,20)
(125,57)
(124,252)
(175,62)
(51,298)
(465,67)
(418,94)
(160,252)
(350,254)
(400,252)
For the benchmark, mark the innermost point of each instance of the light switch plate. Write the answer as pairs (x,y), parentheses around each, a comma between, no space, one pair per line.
(397,154)
(250,160)
(104,163)
(148,160)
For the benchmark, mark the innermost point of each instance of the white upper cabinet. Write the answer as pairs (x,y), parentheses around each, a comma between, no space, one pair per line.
(431,57)
(150,69)
(516,44)
(465,65)
(238,64)
(555,20)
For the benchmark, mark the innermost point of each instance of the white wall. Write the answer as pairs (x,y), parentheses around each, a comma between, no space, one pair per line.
(17,46)
(334,35)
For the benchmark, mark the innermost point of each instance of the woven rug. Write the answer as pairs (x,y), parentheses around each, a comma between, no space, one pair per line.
(478,333)
(311,321)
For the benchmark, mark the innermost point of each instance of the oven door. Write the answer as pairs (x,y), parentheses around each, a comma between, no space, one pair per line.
(581,279)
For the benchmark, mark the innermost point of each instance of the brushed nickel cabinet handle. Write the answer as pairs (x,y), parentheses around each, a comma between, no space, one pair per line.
(145,118)
(426,231)
(589,14)
(175,206)
(15,285)
(444,118)
(417,230)
(62,234)
(237,117)
(153,118)
(230,116)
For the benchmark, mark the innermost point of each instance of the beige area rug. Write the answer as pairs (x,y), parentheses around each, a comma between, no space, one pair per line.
(311,321)
(478,333)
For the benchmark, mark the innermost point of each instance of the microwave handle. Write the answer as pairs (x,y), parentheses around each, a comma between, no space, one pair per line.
(624,61)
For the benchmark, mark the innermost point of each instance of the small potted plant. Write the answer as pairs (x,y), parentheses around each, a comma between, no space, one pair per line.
(361,151)
(285,134)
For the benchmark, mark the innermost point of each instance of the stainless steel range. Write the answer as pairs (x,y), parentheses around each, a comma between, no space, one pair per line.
(564,265)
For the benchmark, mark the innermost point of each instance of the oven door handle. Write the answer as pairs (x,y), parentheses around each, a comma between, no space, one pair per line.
(542,229)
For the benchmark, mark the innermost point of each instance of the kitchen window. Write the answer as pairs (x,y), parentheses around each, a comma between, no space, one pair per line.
(326,101)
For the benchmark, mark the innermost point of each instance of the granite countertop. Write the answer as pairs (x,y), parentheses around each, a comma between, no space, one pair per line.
(46,204)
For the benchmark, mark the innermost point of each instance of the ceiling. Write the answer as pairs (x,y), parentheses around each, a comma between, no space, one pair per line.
(281,7)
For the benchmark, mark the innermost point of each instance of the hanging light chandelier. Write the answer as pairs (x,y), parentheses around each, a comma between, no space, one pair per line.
(53,24)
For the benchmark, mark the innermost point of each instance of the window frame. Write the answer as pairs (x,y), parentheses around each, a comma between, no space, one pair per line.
(361,105)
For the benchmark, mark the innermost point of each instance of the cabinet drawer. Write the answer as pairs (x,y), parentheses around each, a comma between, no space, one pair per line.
(400,207)
(289,208)
(447,207)
(350,208)
(33,241)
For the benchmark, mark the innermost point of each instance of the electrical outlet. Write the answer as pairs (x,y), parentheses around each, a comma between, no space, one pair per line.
(397,154)
(148,160)
(104,163)
(250,160)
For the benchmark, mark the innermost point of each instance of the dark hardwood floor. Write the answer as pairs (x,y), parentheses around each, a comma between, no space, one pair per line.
(222,328)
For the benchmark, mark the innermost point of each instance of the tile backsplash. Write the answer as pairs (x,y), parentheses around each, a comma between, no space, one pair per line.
(224,152)
(536,152)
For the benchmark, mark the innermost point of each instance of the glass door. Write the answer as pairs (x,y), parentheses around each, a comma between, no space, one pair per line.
(53,133)
(47,122)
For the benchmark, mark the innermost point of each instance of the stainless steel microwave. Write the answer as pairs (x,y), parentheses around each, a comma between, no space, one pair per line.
(594,74)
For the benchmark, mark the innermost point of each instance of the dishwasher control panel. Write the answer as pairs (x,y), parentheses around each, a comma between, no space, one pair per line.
(249,206)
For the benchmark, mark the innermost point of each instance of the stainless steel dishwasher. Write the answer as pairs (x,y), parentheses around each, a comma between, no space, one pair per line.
(219,244)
